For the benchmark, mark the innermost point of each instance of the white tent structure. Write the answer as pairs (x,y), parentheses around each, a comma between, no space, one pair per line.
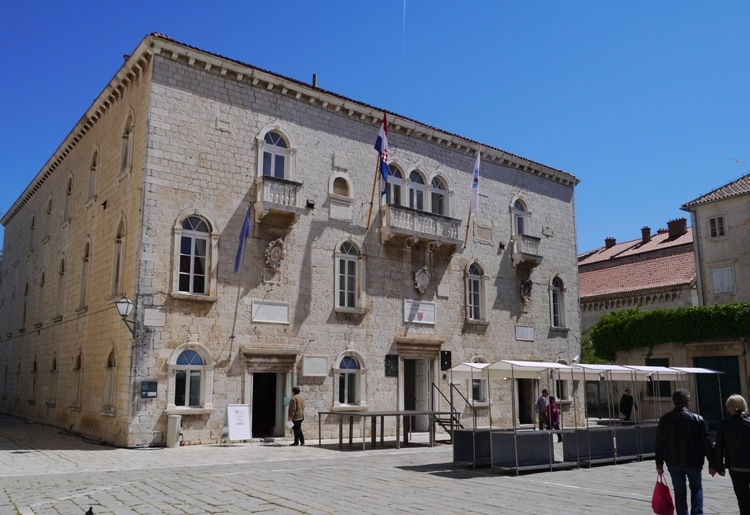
(518,449)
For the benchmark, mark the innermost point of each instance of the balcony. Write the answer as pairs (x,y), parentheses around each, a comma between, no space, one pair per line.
(525,251)
(277,201)
(409,226)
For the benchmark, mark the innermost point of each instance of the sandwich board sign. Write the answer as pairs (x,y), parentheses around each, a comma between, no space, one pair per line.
(237,422)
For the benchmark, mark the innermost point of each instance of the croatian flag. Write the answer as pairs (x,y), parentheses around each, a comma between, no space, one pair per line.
(244,234)
(381,145)
(475,187)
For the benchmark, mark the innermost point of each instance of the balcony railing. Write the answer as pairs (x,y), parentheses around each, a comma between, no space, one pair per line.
(413,225)
(277,197)
(526,250)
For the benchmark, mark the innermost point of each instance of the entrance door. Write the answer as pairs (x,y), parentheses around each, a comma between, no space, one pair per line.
(713,391)
(264,418)
(526,401)
(417,390)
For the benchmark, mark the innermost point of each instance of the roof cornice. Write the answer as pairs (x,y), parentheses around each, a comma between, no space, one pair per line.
(159,44)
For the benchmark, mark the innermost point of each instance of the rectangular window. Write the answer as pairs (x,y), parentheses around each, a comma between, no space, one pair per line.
(658,388)
(717,227)
(479,390)
(722,279)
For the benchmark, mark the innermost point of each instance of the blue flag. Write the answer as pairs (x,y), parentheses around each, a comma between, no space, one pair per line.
(244,234)
(381,145)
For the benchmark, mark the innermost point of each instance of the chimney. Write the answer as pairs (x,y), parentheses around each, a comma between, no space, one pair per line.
(677,227)
(609,242)
(645,234)
(315,80)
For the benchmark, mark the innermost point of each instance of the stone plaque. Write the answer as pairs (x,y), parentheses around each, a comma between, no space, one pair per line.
(314,366)
(419,312)
(271,312)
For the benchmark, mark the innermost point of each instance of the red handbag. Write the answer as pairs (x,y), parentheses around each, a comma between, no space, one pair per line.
(661,501)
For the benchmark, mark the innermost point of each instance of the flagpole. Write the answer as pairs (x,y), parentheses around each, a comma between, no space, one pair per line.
(468,222)
(372,195)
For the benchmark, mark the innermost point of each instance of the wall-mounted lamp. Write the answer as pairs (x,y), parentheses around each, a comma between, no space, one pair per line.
(125,307)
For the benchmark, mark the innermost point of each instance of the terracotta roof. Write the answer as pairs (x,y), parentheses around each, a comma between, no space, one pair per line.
(735,188)
(631,248)
(665,271)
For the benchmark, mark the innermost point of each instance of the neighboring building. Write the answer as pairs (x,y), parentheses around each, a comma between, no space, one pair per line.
(653,272)
(361,303)
(721,219)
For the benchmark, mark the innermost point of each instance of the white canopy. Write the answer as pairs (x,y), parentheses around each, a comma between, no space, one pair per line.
(508,368)
(468,370)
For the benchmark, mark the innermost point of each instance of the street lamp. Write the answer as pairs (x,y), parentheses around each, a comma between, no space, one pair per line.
(125,307)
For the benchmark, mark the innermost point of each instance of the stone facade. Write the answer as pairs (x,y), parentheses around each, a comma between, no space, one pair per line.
(111,214)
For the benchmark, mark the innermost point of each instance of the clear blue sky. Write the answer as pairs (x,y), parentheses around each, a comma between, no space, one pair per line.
(646,102)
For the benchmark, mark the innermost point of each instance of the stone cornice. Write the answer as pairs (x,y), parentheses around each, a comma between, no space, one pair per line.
(158,44)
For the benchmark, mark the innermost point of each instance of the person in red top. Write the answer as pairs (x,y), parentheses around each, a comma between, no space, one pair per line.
(553,416)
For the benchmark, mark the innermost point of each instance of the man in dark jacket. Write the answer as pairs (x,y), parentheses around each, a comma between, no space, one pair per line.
(682,441)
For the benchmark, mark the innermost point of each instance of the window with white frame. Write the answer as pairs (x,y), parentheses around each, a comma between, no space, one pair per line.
(722,279)
(717,227)
(395,185)
(519,217)
(110,382)
(275,152)
(479,392)
(190,380)
(438,196)
(349,382)
(194,256)
(416,190)
(475,303)
(557,302)
(349,277)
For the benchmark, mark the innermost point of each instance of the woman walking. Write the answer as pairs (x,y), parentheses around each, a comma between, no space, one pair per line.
(733,450)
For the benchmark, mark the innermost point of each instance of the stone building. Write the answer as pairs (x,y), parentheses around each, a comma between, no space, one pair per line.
(361,299)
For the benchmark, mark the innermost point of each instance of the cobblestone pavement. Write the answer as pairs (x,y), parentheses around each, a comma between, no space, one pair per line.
(46,471)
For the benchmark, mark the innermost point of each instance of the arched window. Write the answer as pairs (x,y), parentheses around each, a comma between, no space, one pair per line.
(557,302)
(68,200)
(75,393)
(25,304)
(395,184)
(118,256)
(479,385)
(275,152)
(40,301)
(47,218)
(194,256)
(341,187)
(519,217)
(475,303)
(126,151)
(349,384)
(60,290)
(32,227)
(438,196)
(52,387)
(110,382)
(93,175)
(416,191)
(85,267)
(190,387)
(349,277)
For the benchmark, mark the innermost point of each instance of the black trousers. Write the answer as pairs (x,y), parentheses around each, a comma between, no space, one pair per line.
(299,438)
(741,485)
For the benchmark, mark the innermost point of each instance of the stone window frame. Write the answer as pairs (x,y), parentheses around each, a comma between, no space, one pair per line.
(360,381)
(206,380)
(520,216)
(118,259)
(290,155)
(212,257)
(480,384)
(394,194)
(360,297)
(717,227)
(110,384)
(445,193)
(475,291)
(557,312)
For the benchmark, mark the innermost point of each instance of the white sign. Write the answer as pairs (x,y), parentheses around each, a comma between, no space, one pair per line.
(238,422)
(272,312)
(419,312)
(314,366)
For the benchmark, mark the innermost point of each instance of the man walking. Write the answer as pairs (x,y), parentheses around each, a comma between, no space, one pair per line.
(297,415)
(682,441)
(541,410)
